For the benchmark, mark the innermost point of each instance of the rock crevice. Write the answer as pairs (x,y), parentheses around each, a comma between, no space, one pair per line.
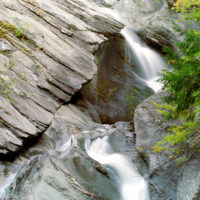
(46,55)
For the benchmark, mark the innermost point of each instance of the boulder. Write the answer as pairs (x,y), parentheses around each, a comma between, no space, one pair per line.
(168,179)
(189,184)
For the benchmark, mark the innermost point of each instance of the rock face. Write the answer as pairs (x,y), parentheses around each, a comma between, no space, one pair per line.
(152,20)
(168,180)
(115,91)
(46,54)
(68,121)
(66,171)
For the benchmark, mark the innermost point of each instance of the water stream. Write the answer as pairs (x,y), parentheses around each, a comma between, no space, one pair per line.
(131,184)
(149,64)
(5,185)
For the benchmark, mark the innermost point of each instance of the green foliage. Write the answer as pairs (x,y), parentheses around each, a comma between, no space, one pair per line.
(182,83)
(190,8)
(183,137)
(4,27)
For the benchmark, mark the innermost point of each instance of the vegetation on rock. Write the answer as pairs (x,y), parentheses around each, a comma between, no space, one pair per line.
(182,83)
(5,28)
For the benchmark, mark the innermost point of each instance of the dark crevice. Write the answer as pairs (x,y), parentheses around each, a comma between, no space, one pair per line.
(77,96)
(28,143)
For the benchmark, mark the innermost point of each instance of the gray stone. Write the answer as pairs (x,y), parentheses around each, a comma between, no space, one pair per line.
(189,184)
(168,180)
(48,63)
(68,121)
(71,173)
(5,46)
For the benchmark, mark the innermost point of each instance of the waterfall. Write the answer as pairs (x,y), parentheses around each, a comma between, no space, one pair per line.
(148,62)
(131,184)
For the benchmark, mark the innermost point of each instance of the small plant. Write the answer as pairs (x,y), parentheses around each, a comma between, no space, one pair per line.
(11,64)
(23,95)
(24,77)
(96,61)
(6,28)
(5,89)
(183,137)
(17,32)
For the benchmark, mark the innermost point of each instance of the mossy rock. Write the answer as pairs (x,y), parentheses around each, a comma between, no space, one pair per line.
(114,92)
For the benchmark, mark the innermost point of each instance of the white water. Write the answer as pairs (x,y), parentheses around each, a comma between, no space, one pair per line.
(5,185)
(131,184)
(148,62)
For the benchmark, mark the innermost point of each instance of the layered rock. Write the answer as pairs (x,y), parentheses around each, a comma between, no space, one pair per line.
(65,171)
(67,122)
(46,56)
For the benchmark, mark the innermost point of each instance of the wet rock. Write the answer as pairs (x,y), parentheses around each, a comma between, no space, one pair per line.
(189,183)
(71,173)
(152,20)
(68,121)
(151,127)
(115,91)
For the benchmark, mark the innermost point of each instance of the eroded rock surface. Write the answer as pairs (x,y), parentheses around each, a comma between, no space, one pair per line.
(46,54)
(66,171)
(115,91)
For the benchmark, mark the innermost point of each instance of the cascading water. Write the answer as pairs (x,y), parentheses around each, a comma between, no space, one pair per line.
(5,185)
(131,184)
(148,62)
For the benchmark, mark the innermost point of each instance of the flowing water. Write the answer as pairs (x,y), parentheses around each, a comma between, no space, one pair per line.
(149,63)
(131,184)
(5,185)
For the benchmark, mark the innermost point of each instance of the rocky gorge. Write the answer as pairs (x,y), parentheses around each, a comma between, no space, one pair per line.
(68,98)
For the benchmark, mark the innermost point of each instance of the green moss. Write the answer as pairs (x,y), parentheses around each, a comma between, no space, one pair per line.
(18,33)
(96,61)
(105,89)
(131,97)
(5,89)
(11,64)
(5,27)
